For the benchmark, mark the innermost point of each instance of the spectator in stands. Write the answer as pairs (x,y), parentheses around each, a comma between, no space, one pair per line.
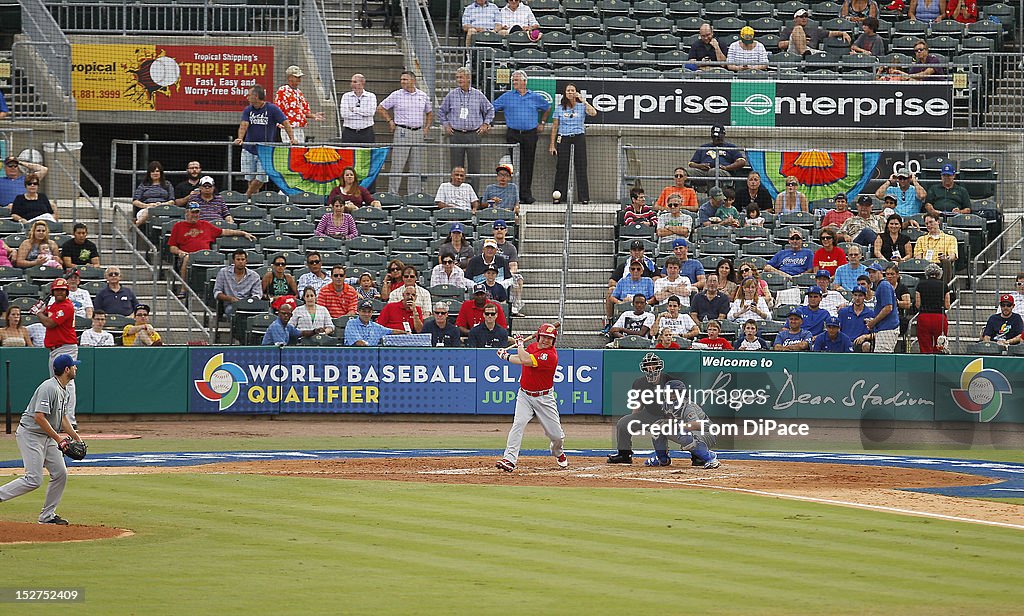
(38,249)
(185,189)
(638,212)
(964,11)
(755,194)
(753,214)
(675,320)
(863,228)
(868,43)
(865,281)
(750,340)
(480,16)
(14,334)
(749,270)
(691,268)
(457,246)
(77,295)
(846,275)
(236,282)
(728,277)
(636,253)
(791,200)
(142,333)
(466,114)
(832,340)
(794,259)
(831,300)
(316,277)
(357,109)
(393,277)
(32,205)
(442,332)
(79,250)
(1005,326)
(457,193)
(635,323)
(903,300)
(923,10)
(339,297)
(311,318)
(12,183)
(932,301)
(4,303)
(290,99)
(830,256)
(351,192)
(495,290)
(488,334)
(367,288)
(885,325)
(672,284)
(259,125)
(632,285)
(893,245)
(281,332)
(747,304)
(687,195)
(115,298)
(409,114)
(471,313)
(504,193)
(937,247)
(409,279)
(836,217)
(718,158)
(747,53)
(709,209)
(153,191)
(673,224)
(521,107)
(362,331)
(488,256)
(666,341)
(706,49)
(8,254)
(925,63)
(857,10)
(516,16)
(192,235)
(448,273)
(278,281)
(1018,294)
(569,140)
(337,223)
(947,197)
(727,214)
(403,315)
(907,191)
(714,339)
(711,304)
(794,337)
(803,39)
(4,109)
(96,337)
(211,205)
(813,313)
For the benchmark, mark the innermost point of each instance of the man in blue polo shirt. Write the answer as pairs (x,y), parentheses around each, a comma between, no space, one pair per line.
(885,325)
(362,331)
(691,268)
(833,340)
(794,337)
(794,259)
(906,190)
(853,320)
(521,107)
(813,314)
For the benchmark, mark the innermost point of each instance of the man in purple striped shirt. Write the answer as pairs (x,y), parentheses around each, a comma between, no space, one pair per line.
(409,115)
(211,205)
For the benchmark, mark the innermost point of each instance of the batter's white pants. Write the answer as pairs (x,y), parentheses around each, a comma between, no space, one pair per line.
(546,409)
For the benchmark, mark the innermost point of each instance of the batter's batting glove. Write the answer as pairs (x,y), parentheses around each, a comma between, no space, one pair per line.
(519,338)
(37,308)
(503,353)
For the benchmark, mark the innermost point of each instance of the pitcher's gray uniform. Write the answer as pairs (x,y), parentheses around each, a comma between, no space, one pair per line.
(39,449)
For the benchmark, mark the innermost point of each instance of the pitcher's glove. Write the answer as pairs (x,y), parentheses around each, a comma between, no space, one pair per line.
(75,450)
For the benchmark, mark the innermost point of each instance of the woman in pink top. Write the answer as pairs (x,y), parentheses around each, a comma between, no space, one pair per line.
(337,223)
(349,191)
(7,255)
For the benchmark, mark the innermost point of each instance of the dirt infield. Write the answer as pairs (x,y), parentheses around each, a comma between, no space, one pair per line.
(22,532)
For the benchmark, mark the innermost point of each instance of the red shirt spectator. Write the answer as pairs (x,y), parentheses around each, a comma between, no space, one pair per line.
(719,344)
(339,301)
(191,236)
(393,316)
(471,314)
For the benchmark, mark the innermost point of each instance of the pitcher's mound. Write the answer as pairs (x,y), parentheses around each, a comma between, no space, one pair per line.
(26,532)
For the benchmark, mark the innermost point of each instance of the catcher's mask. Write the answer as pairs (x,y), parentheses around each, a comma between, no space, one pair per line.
(652,365)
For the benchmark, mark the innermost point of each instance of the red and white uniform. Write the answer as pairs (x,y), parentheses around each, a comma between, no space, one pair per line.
(536,397)
(61,339)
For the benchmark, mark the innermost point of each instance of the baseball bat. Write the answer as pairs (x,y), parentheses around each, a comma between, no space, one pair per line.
(557,324)
(7,378)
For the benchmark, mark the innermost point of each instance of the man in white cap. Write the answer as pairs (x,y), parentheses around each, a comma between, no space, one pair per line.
(293,103)
(801,38)
(211,205)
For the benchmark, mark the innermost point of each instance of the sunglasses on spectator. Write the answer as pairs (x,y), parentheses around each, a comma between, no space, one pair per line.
(744,270)
(31,183)
(1020,283)
(790,183)
(279,264)
(317,262)
(12,164)
(680,175)
(111,274)
(409,276)
(448,261)
(1007,304)
(636,269)
(392,269)
(440,312)
(337,275)
(490,314)
(920,49)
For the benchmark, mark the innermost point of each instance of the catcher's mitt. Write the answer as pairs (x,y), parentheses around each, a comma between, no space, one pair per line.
(75,450)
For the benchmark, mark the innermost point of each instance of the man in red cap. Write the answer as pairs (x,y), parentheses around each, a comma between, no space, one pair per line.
(1005,326)
(59,320)
(536,395)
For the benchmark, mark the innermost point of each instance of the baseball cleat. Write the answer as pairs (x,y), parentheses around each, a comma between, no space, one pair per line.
(696,460)
(620,458)
(563,462)
(712,463)
(505,465)
(654,460)
(56,519)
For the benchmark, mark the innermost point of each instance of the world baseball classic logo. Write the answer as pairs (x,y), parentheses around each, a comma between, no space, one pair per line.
(221,381)
(981,390)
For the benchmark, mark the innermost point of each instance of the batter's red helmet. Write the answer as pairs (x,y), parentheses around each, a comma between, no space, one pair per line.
(547,329)
(59,283)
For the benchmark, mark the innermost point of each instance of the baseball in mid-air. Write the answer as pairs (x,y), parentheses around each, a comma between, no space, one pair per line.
(556,195)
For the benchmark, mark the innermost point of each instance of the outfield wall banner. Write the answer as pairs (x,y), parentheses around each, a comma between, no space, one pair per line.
(129,77)
(981,389)
(818,104)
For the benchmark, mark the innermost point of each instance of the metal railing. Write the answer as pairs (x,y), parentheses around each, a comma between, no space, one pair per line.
(448,59)
(45,58)
(419,41)
(200,18)
(996,247)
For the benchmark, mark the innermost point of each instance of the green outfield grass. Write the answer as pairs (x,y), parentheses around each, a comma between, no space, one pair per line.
(209,544)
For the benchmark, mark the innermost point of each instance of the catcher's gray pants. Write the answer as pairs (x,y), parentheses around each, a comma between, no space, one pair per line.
(414,156)
(546,410)
(72,350)
(643,417)
(37,451)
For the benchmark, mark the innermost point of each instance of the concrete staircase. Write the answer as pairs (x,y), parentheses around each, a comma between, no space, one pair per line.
(1004,108)
(22,98)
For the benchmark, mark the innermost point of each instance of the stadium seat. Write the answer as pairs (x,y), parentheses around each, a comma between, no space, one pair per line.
(258,227)
(42,275)
(322,244)
(589,42)
(242,213)
(369,214)
(408,244)
(388,200)
(719,9)
(410,214)
(723,248)
(299,229)
(625,43)
(756,10)
(620,25)
(269,198)
(977,44)
(947,27)
(727,25)
(985,348)
(545,8)
(854,62)
(447,292)
(763,248)
(369,260)
(491,40)
(229,244)
(414,229)
(931,167)
(690,26)
(376,229)
(412,259)
(649,8)
(288,212)
(572,8)
(978,176)
(639,59)
(279,242)
(637,232)
(944,45)
(306,199)
(452,214)
(991,29)
(531,57)
(231,197)
(582,24)
(609,9)
(420,199)
(554,42)
(255,326)
(683,9)
(365,243)
(633,342)
(655,25)
(643,72)
(910,27)
(607,60)
(824,10)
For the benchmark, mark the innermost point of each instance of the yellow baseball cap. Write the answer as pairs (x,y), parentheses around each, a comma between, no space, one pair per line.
(747,32)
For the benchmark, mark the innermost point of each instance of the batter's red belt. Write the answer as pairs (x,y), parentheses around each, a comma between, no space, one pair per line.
(536,394)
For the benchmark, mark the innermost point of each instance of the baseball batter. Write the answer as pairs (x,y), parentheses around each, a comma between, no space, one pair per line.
(536,395)
(59,320)
(38,437)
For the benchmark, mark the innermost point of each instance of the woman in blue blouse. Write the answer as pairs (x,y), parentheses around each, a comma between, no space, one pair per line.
(567,131)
